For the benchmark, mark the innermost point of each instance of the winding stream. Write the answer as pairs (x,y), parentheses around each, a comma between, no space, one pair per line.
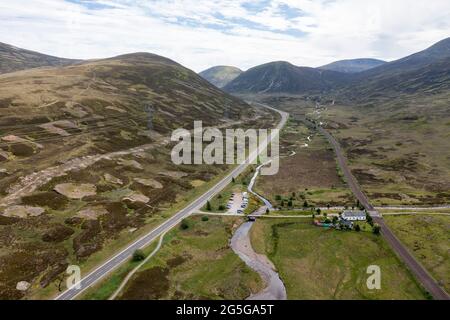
(241,245)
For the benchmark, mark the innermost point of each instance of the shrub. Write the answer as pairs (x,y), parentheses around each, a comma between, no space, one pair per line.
(221,207)
(376,229)
(185,224)
(208,206)
(205,218)
(357,228)
(138,255)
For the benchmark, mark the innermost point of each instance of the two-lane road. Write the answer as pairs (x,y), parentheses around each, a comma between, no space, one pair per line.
(125,254)
(421,274)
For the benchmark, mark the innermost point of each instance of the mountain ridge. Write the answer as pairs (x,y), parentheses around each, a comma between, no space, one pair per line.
(353,65)
(15,59)
(284,77)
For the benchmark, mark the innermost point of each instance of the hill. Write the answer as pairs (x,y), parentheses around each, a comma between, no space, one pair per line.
(220,76)
(353,66)
(425,72)
(15,59)
(284,77)
(85,158)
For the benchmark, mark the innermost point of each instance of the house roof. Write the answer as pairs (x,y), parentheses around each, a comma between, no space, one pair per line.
(353,213)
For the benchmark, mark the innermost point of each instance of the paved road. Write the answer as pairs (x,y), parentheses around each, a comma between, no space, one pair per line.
(125,254)
(414,266)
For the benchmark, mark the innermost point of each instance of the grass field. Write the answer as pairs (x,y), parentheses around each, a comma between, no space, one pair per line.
(315,263)
(398,150)
(196,263)
(428,238)
(308,171)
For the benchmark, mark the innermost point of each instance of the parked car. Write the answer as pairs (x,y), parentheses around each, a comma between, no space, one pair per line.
(240,212)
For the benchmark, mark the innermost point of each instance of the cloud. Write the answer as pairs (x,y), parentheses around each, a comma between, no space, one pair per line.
(244,33)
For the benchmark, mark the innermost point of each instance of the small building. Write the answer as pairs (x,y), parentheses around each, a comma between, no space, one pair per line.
(354,215)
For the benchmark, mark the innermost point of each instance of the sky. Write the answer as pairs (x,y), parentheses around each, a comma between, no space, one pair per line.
(203,33)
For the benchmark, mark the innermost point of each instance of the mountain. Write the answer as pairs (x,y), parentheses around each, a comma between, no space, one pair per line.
(220,76)
(128,83)
(101,128)
(284,77)
(15,59)
(353,66)
(427,71)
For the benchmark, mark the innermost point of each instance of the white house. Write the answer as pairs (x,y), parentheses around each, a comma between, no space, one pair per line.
(354,215)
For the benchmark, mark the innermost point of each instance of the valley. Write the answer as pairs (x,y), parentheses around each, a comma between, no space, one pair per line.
(87,179)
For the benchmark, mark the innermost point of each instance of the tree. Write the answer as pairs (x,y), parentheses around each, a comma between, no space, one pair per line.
(293,194)
(205,218)
(335,219)
(318,211)
(221,207)
(219,196)
(233,180)
(305,204)
(376,229)
(184,224)
(328,206)
(267,211)
(357,228)
(278,197)
(369,219)
(290,203)
(138,255)
(282,203)
(208,206)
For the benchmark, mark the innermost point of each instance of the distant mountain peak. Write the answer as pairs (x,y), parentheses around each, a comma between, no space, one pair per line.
(220,76)
(284,77)
(353,65)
